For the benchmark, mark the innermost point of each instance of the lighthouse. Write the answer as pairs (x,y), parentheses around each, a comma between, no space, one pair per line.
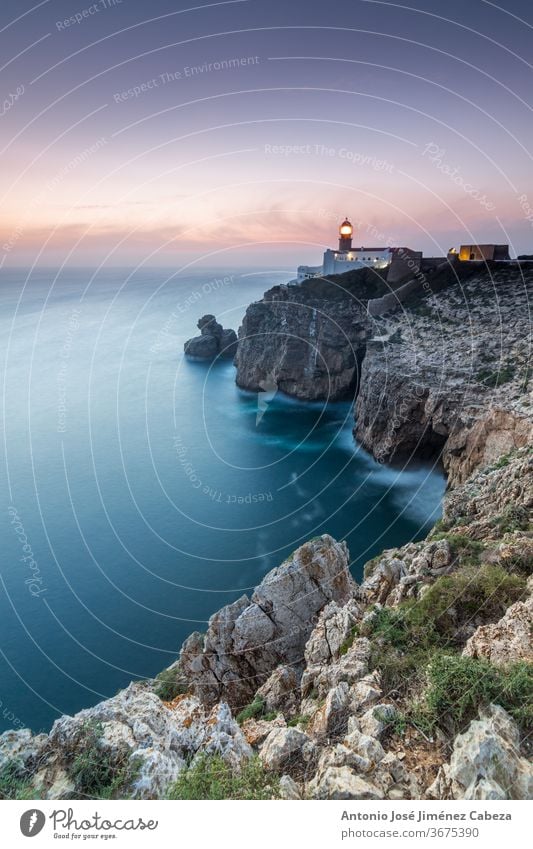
(345,235)
(347,258)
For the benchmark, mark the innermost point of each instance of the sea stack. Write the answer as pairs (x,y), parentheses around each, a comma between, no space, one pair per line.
(214,341)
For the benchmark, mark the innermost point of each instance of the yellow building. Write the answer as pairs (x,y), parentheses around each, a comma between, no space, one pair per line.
(483,252)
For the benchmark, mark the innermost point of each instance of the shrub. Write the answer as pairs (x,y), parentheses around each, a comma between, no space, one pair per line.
(512,518)
(496,377)
(348,643)
(458,686)
(486,591)
(401,648)
(210,777)
(408,637)
(463,548)
(255,710)
(14,782)
(302,719)
(169,684)
(97,772)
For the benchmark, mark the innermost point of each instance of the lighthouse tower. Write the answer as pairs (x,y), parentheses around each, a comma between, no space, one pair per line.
(345,235)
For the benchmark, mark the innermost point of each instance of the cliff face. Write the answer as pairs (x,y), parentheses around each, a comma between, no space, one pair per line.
(417,682)
(413,684)
(447,372)
(247,640)
(307,340)
(451,372)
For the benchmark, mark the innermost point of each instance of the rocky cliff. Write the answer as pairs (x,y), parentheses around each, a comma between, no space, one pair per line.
(308,340)
(447,372)
(417,682)
(451,372)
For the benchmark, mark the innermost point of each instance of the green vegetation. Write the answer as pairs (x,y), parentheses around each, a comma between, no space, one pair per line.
(348,643)
(513,518)
(169,685)
(401,649)
(501,463)
(485,591)
(496,377)
(528,372)
(465,548)
(458,686)
(255,710)
(212,778)
(302,719)
(440,527)
(98,773)
(416,633)
(14,782)
(370,566)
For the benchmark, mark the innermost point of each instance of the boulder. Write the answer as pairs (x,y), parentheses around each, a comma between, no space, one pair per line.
(485,762)
(288,789)
(201,348)
(366,747)
(135,727)
(20,746)
(281,691)
(249,639)
(342,783)
(365,692)
(283,748)
(214,341)
(506,641)
(376,720)
(257,730)
(330,720)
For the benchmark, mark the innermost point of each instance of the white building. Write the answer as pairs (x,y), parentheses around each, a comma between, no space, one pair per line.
(347,258)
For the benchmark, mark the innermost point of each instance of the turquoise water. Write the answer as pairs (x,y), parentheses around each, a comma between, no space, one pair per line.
(142,492)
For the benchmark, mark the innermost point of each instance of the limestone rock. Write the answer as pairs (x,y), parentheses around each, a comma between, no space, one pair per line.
(425,393)
(343,783)
(366,747)
(376,720)
(20,746)
(306,340)
(506,641)
(365,692)
(288,788)
(138,727)
(257,730)
(283,748)
(213,341)
(486,762)
(333,653)
(247,640)
(331,718)
(282,690)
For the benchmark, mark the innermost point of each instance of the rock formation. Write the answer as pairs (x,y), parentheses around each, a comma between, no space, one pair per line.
(486,762)
(307,340)
(449,373)
(413,684)
(309,656)
(445,373)
(248,639)
(213,341)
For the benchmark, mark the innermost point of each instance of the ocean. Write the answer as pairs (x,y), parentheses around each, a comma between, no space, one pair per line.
(142,491)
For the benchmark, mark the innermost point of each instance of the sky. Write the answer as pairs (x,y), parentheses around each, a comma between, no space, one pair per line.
(242,132)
